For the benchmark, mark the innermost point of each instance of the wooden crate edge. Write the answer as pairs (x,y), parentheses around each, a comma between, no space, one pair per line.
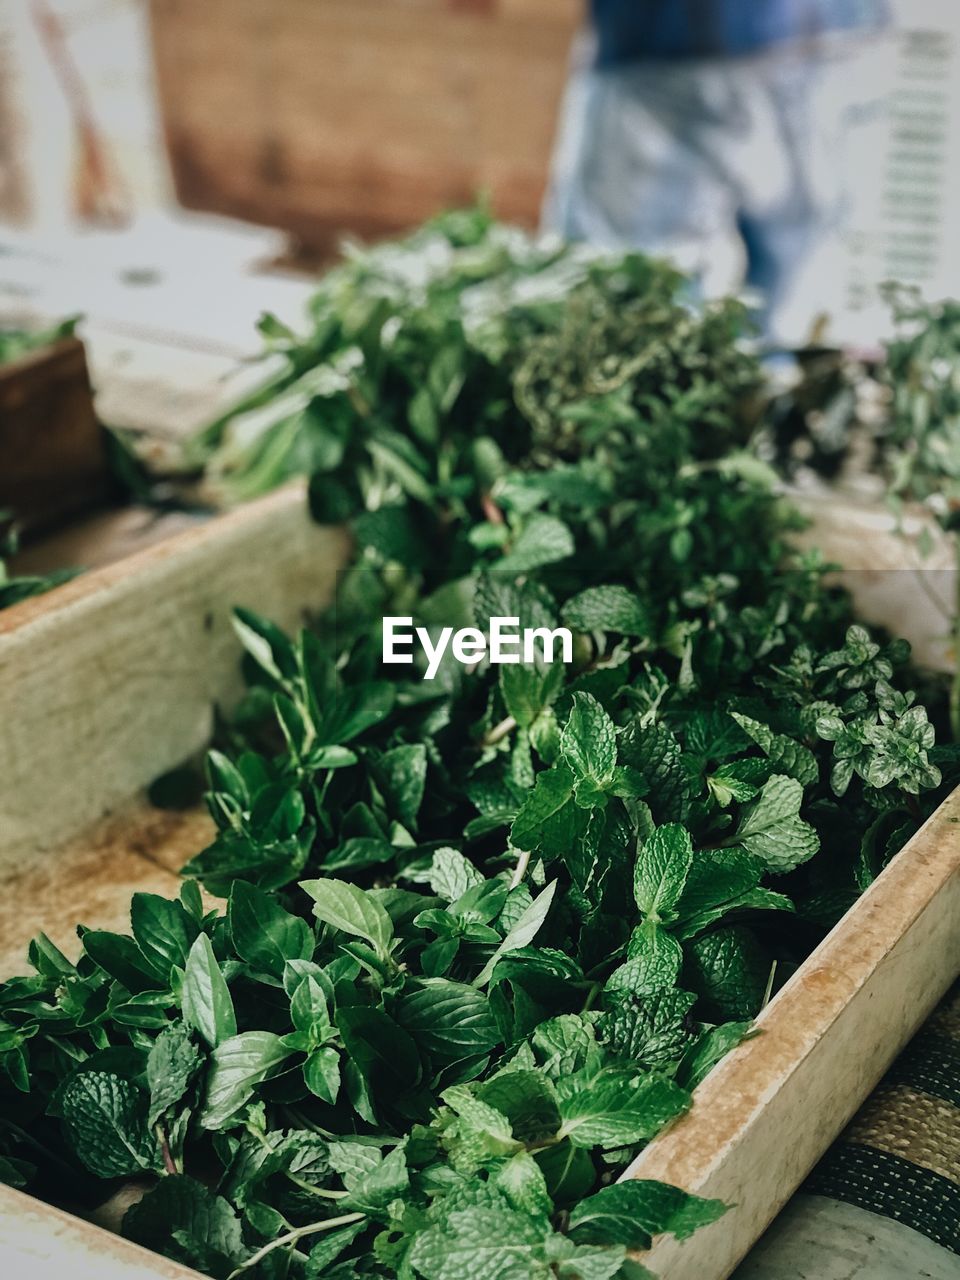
(772,1107)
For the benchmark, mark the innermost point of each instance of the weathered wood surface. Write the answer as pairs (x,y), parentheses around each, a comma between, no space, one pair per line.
(111,679)
(90,878)
(52,456)
(100,538)
(38,1242)
(765,1115)
(893,584)
(361,115)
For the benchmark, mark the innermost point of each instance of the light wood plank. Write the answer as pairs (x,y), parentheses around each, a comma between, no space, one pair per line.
(38,1242)
(90,879)
(111,679)
(891,582)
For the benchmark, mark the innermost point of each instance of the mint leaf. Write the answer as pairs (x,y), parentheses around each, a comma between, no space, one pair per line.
(328,1248)
(772,830)
(384,1053)
(716,876)
(521,934)
(238,1065)
(565,1044)
(163,931)
(617,1107)
(548,816)
(527,1099)
(651,1028)
(711,1048)
(588,742)
(729,969)
(309,1012)
(633,1211)
(345,907)
(522,1182)
(172,1065)
(482,1243)
(321,1074)
(105,1118)
(448,1020)
(402,774)
(529,688)
(652,964)
(608,608)
(183,1219)
(544,540)
(660,872)
(790,757)
(206,999)
(451,874)
(372,1191)
(263,933)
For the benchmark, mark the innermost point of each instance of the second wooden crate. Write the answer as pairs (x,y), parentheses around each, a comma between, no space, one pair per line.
(361,115)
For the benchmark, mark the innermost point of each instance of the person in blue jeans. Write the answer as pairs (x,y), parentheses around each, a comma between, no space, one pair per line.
(713,132)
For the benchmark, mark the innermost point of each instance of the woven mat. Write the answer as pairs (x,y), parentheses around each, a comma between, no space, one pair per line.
(900,1157)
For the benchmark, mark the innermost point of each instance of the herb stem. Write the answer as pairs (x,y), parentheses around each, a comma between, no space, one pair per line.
(494,735)
(312,1228)
(323,1192)
(520,870)
(595,989)
(304,1122)
(168,1161)
(768,989)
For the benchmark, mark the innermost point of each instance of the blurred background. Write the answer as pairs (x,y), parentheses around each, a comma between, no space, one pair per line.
(170,169)
(319,117)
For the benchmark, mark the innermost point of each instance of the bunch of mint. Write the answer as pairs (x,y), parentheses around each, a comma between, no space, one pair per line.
(484,934)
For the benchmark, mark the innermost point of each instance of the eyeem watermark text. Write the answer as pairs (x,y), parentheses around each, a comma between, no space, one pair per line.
(502,642)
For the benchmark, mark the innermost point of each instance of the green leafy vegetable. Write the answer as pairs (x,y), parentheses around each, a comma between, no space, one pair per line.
(482,934)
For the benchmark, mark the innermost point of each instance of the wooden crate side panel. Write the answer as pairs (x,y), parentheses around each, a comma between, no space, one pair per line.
(90,880)
(766,1114)
(362,115)
(892,584)
(111,680)
(52,454)
(38,1242)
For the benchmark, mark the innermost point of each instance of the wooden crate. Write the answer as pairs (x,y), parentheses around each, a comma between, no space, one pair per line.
(319,116)
(109,680)
(52,455)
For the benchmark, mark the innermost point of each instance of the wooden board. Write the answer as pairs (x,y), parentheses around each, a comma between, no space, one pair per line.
(892,582)
(360,115)
(101,537)
(52,455)
(111,679)
(90,878)
(765,1115)
(38,1242)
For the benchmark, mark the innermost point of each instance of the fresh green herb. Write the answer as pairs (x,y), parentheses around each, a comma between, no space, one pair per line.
(484,934)
(894,417)
(922,452)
